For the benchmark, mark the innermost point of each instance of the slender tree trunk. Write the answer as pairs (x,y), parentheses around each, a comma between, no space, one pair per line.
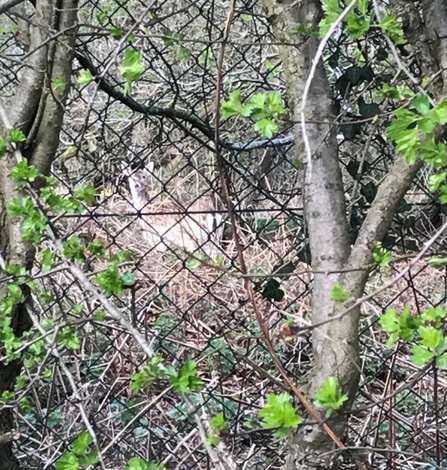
(335,345)
(38,112)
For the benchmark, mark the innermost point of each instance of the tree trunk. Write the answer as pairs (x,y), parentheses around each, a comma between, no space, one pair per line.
(335,345)
(39,114)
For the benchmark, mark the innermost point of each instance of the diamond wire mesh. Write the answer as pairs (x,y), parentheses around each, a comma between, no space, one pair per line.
(191,311)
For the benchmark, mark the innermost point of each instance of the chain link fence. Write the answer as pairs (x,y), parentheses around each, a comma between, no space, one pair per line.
(187,305)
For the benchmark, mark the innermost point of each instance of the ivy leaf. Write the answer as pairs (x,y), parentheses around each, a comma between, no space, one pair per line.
(131,68)
(128,278)
(272,291)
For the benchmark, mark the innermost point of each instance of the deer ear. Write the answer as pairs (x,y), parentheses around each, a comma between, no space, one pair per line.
(149,169)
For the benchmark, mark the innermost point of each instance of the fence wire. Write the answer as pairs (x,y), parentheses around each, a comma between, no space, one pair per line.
(185,306)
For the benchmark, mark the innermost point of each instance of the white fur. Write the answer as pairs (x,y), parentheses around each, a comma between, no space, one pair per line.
(188,232)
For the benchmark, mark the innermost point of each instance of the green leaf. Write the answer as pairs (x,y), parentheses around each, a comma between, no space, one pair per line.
(86,194)
(186,379)
(206,56)
(437,180)
(329,396)
(68,338)
(116,33)
(441,361)
(357,26)
(431,337)
(110,280)
(434,313)
(128,278)
(234,107)
(420,355)
(90,458)
(172,38)
(393,29)
(47,260)
(131,68)
(279,413)
(59,85)
(196,261)
(17,136)
(266,128)
(97,248)
(119,257)
(213,440)
(85,77)
(7,396)
(68,461)
(399,326)
(148,374)
(421,103)
(3,146)
(81,443)
(382,256)
(218,422)
(73,248)
(437,262)
(23,173)
(100,315)
(137,463)
(332,10)
(338,294)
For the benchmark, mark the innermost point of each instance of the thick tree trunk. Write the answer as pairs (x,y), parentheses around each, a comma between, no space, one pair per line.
(335,345)
(39,115)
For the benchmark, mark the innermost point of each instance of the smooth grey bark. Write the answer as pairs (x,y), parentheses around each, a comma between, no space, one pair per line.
(40,114)
(335,345)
